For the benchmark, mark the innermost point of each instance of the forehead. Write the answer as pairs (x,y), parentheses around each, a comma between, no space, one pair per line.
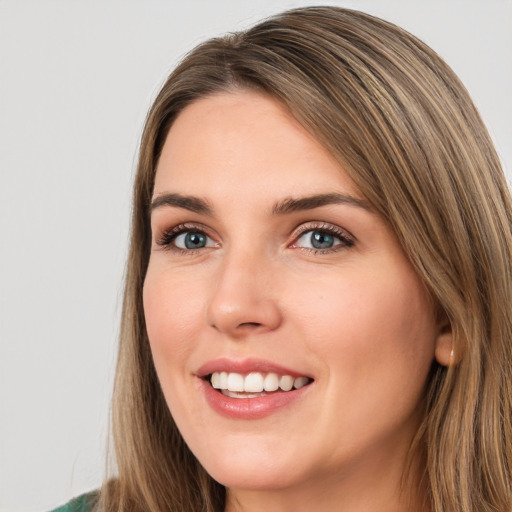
(247,138)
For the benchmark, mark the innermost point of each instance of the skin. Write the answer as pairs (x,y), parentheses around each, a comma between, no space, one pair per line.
(356,318)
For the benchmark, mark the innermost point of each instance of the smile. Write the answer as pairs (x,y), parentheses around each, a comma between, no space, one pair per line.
(252,388)
(254,384)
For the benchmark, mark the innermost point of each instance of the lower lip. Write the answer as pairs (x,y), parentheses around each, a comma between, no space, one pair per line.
(250,408)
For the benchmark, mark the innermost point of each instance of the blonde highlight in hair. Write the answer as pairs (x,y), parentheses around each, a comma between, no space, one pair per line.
(404,128)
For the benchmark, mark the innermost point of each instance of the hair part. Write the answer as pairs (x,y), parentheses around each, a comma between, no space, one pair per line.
(403,127)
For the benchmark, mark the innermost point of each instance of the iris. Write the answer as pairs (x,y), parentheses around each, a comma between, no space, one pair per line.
(321,240)
(195,240)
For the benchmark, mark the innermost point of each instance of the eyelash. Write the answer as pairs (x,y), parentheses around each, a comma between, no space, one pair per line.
(167,238)
(347,241)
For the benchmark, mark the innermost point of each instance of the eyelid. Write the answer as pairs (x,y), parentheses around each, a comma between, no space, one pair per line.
(165,239)
(347,239)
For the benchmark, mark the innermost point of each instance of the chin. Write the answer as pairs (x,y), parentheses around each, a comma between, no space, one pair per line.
(254,472)
(252,479)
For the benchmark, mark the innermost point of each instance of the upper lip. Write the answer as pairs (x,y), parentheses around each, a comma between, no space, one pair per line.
(246,366)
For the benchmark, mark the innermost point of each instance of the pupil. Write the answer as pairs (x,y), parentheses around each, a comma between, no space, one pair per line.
(195,240)
(321,240)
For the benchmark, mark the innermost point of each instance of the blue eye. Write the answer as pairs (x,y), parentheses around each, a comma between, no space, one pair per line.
(193,240)
(322,239)
(185,238)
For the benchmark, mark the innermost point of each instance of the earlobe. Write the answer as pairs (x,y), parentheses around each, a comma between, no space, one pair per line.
(444,351)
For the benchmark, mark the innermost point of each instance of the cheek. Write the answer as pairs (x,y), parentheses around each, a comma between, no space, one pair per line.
(367,323)
(171,310)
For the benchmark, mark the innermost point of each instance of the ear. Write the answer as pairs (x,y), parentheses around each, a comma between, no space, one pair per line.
(444,351)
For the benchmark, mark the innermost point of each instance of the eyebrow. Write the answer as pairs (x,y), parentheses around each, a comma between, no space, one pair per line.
(315,201)
(288,205)
(194,204)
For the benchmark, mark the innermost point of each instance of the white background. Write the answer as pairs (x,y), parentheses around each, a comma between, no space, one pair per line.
(76,79)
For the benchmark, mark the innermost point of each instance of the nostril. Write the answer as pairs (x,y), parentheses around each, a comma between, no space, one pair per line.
(248,326)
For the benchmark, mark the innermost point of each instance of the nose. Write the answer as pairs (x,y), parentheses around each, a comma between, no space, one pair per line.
(244,300)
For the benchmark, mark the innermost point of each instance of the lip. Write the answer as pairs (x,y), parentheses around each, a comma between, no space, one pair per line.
(248,408)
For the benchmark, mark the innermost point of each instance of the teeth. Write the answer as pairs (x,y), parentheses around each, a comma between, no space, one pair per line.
(271,382)
(300,382)
(235,382)
(286,383)
(234,394)
(255,382)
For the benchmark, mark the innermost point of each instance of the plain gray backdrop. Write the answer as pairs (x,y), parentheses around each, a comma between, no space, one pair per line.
(76,80)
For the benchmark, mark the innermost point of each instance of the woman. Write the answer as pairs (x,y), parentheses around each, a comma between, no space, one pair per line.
(316,312)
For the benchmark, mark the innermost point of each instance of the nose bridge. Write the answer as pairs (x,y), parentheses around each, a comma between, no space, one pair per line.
(243,299)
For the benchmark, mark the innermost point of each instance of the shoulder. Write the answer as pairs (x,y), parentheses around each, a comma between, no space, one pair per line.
(83,503)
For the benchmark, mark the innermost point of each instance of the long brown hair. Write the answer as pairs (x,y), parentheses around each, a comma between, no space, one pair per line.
(404,128)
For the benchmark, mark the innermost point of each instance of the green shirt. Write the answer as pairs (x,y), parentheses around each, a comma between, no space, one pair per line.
(83,503)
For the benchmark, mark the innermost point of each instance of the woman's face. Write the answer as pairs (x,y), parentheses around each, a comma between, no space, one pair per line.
(269,269)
